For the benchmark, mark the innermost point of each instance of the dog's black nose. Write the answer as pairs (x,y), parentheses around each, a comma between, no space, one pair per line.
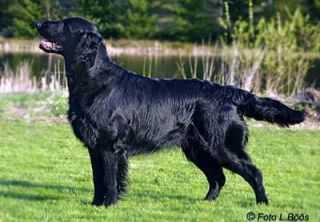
(37,24)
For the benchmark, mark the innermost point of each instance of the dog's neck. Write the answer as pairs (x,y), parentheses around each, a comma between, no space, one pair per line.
(83,69)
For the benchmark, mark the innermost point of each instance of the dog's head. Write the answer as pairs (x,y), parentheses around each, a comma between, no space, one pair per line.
(66,36)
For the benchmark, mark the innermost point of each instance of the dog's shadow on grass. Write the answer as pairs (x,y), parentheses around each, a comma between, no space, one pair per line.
(22,195)
(28,197)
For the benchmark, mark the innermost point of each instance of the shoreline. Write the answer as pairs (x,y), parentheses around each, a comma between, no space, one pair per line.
(120,47)
(51,107)
(142,48)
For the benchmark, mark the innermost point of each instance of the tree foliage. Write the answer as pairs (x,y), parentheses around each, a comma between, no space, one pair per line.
(183,20)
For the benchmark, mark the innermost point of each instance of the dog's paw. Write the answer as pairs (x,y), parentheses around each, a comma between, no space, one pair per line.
(97,202)
(264,201)
(109,201)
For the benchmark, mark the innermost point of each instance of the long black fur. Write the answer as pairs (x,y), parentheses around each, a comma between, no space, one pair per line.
(117,113)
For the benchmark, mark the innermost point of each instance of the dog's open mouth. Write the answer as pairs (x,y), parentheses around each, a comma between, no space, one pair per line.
(50,46)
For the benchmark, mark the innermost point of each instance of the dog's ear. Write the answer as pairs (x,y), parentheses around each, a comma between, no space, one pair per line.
(88,43)
(91,49)
(90,39)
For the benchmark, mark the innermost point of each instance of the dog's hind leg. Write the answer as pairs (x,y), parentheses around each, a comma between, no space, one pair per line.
(238,161)
(252,175)
(209,166)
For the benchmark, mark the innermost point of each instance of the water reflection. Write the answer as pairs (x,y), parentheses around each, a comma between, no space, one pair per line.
(30,72)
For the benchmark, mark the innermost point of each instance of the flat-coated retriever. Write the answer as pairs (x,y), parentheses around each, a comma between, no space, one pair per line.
(117,113)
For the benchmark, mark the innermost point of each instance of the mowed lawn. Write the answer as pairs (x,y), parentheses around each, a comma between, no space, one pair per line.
(45,175)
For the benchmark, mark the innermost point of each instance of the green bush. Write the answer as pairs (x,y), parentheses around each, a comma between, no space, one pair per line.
(285,41)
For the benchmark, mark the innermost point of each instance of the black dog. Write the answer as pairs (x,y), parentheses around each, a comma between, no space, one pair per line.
(117,113)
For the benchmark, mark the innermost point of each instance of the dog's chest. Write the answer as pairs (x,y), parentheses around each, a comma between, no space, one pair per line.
(83,128)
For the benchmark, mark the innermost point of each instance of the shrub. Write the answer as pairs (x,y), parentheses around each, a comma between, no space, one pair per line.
(286,42)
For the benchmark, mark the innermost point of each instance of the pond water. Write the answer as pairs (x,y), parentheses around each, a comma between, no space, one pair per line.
(41,63)
(40,69)
(27,71)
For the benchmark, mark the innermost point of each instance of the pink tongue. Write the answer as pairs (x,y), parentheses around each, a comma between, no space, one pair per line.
(46,43)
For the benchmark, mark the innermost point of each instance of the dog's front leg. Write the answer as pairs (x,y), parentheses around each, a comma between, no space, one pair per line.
(98,176)
(110,166)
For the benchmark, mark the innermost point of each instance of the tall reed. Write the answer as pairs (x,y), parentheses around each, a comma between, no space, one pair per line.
(22,79)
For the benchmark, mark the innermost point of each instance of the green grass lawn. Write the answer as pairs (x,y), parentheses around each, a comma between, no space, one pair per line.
(45,175)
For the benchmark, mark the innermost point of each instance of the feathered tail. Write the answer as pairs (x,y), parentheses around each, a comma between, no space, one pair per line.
(266,109)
